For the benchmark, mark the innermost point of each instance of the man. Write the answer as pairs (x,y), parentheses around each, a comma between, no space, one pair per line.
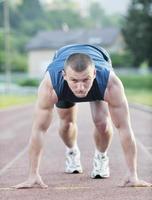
(81,73)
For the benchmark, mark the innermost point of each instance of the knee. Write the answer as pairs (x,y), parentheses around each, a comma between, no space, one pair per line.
(102,125)
(67,125)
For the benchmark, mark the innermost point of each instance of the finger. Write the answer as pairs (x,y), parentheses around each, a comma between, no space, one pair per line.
(23,185)
(41,183)
(144,184)
(138,184)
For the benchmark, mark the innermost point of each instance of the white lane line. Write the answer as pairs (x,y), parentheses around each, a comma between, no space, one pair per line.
(144,149)
(10,164)
(71,187)
(6,188)
(6,167)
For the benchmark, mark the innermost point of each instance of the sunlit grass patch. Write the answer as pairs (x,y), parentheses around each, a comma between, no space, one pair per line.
(11,100)
(143,96)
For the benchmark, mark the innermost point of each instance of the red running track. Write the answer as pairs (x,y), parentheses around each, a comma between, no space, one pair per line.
(15,127)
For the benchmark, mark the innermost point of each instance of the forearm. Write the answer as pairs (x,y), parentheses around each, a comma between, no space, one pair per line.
(130,151)
(41,123)
(35,151)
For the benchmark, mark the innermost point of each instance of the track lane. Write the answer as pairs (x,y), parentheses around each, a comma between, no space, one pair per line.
(64,186)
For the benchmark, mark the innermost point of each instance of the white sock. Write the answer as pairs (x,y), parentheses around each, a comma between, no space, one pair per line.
(100,153)
(75,147)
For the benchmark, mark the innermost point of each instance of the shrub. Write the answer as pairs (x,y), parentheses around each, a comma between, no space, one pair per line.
(18,63)
(121,60)
(29,82)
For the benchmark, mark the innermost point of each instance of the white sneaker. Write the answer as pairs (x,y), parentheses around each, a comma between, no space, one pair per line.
(100,166)
(73,164)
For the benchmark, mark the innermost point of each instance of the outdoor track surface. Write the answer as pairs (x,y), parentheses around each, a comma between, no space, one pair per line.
(15,128)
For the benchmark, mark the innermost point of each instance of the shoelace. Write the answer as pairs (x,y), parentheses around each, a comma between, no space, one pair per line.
(74,159)
(100,163)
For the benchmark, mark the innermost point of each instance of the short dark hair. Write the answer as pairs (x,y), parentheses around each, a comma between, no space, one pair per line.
(78,62)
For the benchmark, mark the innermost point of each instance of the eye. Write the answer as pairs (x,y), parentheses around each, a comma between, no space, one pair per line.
(74,80)
(85,80)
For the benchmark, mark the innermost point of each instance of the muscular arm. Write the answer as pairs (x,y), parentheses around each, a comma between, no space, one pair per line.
(119,111)
(42,119)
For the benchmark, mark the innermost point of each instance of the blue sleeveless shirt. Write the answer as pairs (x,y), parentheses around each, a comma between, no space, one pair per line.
(103,66)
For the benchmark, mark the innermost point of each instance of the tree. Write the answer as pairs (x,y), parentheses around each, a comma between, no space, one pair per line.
(97,15)
(137,31)
(2,53)
(1,14)
(57,18)
(27,17)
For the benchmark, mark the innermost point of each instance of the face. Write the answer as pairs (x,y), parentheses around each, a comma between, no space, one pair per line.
(80,82)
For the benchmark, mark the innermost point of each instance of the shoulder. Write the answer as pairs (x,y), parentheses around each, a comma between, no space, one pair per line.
(115,90)
(46,89)
(114,81)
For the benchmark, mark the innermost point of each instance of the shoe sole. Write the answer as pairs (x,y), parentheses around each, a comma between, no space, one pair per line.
(100,177)
(74,172)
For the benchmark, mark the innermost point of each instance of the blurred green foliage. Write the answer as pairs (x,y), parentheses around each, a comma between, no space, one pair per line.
(28,17)
(138,88)
(18,63)
(131,81)
(124,59)
(137,31)
(2,54)
(137,81)
(143,96)
(29,82)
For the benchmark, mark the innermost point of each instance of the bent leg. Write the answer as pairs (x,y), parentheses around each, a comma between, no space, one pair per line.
(103,126)
(102,136)
(68,133)
(68,127)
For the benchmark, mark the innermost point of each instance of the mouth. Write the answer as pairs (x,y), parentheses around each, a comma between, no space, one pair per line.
(80,94)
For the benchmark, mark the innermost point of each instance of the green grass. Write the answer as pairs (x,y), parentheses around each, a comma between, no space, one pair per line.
(137,81)
(143,96)
(138,89)
(12,100)
(135,96)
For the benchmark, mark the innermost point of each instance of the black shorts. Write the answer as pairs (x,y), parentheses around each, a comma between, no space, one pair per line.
(64,104)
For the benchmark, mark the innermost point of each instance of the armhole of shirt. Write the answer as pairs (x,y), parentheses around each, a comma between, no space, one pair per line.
(102,80)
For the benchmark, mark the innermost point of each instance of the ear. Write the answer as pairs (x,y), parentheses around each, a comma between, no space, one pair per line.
(64,74)
(94,73)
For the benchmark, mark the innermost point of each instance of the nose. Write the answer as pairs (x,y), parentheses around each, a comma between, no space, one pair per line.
(80,86)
